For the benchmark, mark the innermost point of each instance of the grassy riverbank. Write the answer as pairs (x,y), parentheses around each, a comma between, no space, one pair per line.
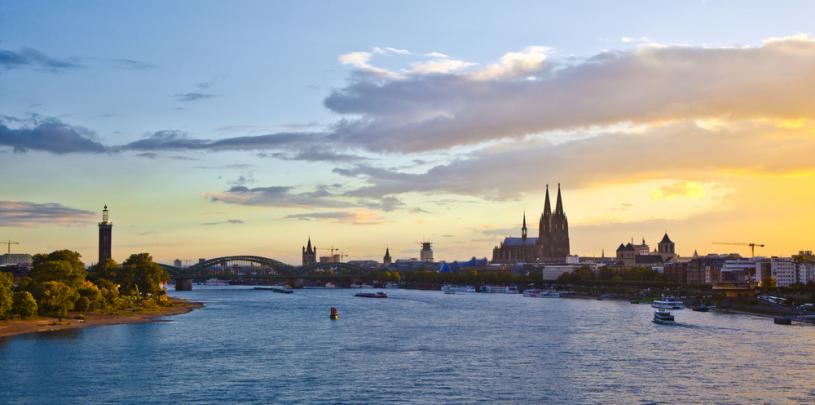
(75,321)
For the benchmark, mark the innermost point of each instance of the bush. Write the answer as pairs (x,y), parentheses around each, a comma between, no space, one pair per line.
(25,306)
(94,296)
(83,304)
(55,298)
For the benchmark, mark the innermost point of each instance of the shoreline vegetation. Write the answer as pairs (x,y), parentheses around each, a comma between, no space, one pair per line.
(175,306)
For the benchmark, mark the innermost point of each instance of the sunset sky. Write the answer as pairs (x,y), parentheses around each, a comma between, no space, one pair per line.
(216,128)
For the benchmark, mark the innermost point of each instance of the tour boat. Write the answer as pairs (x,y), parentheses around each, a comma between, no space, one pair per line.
(663,317)
(701,307)
(532,292)
(499,289)
(216,282)
(372,295)
(668,303)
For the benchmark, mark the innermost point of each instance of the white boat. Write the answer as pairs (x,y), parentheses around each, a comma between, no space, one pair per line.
(668,303)
(500,289)
(532,292)
(454,289)
(215,282)
(549,294)
(663,317)
(330,285)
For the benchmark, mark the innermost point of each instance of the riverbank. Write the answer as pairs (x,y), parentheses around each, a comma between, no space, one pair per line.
(43,324)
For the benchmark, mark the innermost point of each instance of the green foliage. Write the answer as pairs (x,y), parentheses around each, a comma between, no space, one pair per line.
(6,297)
(55,298)
(612,275)
(93,295)
(140,275)
(109,291)
(61,265)
(25,306)
(83,304)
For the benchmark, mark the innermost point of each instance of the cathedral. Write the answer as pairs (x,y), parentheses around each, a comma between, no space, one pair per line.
(551,245)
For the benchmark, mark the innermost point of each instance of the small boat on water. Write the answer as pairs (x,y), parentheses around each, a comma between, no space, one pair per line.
(701,307)
(334,314)
(454,289)
(216,282)
(668,303)
(372,295)
(277,289)
(663,317)
(549,294)
(532,292)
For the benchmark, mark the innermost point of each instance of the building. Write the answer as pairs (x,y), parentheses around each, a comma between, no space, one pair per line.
(14,259)
(806,272)
(178,263)
(705,269)
(738,271)
(105,237)
(630,255)
(551,245)
(426,254)
(309,253)
(783,270)
(386,260)
(666,248)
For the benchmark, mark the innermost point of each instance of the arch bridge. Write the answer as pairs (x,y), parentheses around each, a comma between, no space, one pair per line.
(259,267)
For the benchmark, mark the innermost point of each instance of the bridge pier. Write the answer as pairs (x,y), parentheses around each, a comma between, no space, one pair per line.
(183,284)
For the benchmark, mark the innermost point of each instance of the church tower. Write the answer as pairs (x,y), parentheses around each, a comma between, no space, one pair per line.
(666,248)
(523,228)
(309,253)
(105,236)
(387,259)
(560,230)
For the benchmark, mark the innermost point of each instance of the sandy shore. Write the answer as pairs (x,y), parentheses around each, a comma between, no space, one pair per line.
(12,328)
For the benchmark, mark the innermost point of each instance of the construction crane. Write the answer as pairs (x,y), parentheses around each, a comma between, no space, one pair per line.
(332,249)
(751,244)
(8,244)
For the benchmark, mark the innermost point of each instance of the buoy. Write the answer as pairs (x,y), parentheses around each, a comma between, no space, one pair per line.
(334,314)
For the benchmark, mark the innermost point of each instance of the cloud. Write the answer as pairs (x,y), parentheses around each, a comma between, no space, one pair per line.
(439,66)
(30,214)
(688,189)
(29,57)
(361,61)
(387,50)
(530,92)
(50,136)
(193,96)
(130,64)
(353,218)
(685,150)
(288,197)
(227,222)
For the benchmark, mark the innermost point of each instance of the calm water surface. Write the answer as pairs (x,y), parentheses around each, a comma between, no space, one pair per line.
(415,347)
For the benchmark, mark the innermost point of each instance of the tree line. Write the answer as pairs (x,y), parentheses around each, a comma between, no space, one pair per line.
(58,283)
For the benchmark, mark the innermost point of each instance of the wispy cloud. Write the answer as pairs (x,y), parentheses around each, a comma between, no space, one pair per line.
(193,96)
(32,58)
(353,218)
(226,222)
(131,64)
(30,214)
(51,136)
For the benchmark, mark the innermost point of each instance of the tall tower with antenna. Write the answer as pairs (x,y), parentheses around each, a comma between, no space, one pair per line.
(105,236)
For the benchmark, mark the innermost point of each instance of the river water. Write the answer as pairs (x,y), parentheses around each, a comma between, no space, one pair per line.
(414,347)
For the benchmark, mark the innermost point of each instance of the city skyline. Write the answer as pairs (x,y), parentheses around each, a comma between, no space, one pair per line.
(253,139)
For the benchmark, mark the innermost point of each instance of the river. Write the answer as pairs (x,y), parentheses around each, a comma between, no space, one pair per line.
(254,346)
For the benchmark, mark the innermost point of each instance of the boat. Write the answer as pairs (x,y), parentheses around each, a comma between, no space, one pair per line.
(277,289)
(550,294)
(454,289)
(668,303)
(782,320)
(701,307)
(372,295)
(532,292)
(334,314)
(498,289)
(512,289)
(663,317)
(330,285)
(216,282)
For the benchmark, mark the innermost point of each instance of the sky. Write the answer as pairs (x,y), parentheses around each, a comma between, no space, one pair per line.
(246,127)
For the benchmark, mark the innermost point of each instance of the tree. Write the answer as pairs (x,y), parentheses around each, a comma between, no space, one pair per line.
(6,297)
(93,295)
(25,306)
(55,298)
(61,265)
(768,282)
(141,275)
